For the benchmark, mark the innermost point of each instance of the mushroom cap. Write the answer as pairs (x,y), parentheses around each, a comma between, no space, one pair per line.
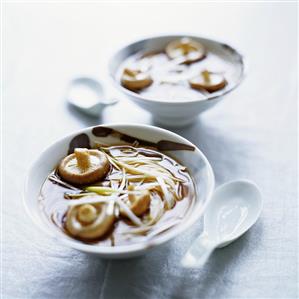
(139,203)
(215,82)
(87,213)
(97,228)
(98,167)
(186,48)
(135,79)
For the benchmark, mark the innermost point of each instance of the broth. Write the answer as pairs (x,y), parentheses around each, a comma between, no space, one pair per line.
(57,195)
(170,80)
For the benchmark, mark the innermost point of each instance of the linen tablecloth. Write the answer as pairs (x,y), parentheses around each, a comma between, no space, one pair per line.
(251,134)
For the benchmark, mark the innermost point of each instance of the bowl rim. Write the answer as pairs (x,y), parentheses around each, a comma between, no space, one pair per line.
(144,99)
(122,250)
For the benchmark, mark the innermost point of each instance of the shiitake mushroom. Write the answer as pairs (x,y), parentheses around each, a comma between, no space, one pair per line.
(84,166)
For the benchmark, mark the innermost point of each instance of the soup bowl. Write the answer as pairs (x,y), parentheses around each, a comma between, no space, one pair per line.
(178,112)
(167,142)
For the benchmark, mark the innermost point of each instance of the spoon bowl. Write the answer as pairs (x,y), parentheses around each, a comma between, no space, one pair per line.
(233,209)
(89,96)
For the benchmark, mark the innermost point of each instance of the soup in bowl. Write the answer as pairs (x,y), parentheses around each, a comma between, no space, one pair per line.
(176,77)
(118,190)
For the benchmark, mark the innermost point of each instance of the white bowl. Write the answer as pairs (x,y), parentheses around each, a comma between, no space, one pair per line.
(192,158)
(179,112)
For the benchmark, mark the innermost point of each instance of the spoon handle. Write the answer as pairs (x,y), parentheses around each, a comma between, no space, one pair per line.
(199,252)
(111,101)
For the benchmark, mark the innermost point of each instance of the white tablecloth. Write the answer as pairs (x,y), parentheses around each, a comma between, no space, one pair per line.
(251,134)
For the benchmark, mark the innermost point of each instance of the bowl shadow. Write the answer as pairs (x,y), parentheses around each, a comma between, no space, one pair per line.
(208,281)
(68,275)
(144,277)
(215,145)
(86,119)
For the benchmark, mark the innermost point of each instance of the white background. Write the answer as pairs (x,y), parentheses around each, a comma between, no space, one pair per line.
(251,134)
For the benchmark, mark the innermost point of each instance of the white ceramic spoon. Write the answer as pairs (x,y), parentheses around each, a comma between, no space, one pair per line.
(233,209)
(88,95)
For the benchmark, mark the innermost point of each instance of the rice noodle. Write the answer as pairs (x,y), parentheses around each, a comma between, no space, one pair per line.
(167,195)
(128,212)
(137,231)
(147,186)
(156,210)
(55,179)
(150,173)
(102,190)
(111,161)
(138,159)
(72,196)
(129,177)
(123,182)
(90,200)
(108,191)
(163,228)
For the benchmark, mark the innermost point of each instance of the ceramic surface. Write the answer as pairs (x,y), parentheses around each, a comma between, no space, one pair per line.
(190,156)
